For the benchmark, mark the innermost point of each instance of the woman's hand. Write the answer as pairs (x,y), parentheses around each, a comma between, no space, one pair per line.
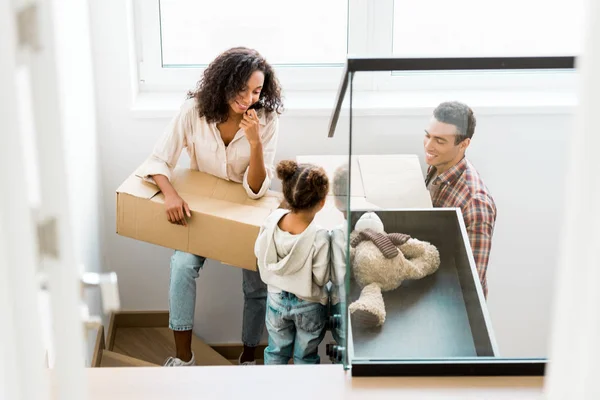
(250,125)
(177,209)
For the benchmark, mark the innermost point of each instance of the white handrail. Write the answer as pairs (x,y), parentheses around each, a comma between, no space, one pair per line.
(573,371)
(61,78)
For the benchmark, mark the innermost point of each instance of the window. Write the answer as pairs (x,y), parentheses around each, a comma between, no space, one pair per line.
(193,32)
(472,28)
(307,42)
(475,28)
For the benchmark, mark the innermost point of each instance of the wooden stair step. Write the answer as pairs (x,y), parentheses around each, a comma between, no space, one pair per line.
(112,359)
(156,344)
(233,351)
(205,355)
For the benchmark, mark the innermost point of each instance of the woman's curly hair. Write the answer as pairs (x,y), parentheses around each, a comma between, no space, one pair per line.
(226,76)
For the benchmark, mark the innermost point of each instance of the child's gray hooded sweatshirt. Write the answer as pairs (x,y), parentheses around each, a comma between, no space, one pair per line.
(297,264)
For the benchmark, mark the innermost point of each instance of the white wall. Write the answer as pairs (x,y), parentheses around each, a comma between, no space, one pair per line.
(521,157)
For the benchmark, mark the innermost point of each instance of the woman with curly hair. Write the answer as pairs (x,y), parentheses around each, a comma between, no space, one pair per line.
(229,127)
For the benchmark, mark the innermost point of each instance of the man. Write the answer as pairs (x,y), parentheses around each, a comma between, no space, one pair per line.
(453,181)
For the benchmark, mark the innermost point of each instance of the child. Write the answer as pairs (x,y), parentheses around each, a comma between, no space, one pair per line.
(293,260)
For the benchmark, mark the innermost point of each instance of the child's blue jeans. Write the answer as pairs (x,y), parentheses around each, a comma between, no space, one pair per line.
(296,328)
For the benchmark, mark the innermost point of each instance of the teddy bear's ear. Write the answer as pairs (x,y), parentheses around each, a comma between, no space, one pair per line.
(370,220)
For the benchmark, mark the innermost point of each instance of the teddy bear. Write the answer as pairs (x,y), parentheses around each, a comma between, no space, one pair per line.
(381,262)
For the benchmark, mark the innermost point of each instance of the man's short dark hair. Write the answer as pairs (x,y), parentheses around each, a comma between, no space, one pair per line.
(459,115)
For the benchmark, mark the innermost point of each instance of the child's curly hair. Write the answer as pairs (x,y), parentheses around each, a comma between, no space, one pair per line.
(304,185)
(226,76)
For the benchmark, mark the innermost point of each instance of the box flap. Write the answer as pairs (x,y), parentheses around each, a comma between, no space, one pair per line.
(394,181)
(186,181)
(380,180)
(227,210)
(361,203)
(227,200)
(193,184)
(136,186)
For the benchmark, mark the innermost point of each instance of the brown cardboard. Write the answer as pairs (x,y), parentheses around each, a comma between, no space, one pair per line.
(377,182)
(224,223)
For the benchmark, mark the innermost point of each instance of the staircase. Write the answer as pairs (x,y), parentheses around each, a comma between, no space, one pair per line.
(143,339)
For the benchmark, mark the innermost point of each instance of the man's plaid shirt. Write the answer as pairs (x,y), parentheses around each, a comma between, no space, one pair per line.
(462,187)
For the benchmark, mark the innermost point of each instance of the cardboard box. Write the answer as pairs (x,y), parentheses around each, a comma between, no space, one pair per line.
(224,223)
(376,182)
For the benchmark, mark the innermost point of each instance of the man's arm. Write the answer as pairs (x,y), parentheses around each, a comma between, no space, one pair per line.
(480,217)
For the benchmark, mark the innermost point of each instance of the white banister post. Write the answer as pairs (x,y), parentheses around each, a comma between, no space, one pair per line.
(62,93)
(573,371)
(21,350)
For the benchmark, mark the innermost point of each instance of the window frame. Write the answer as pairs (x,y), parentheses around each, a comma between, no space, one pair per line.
(153,78)
(476,80)
(370,33)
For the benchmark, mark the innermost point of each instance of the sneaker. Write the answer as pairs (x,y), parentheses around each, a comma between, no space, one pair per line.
(246,363)
(176,362)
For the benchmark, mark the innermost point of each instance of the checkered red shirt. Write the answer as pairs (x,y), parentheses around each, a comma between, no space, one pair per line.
(462,187)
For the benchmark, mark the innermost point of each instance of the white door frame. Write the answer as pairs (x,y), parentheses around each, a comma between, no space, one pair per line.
(37,37)
(573,371)
(22,349)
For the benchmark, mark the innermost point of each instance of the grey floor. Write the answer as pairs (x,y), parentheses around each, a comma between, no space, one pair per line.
(426,318)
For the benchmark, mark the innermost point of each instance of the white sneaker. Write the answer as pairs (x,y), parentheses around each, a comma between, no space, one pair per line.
(246,363)
(176,362)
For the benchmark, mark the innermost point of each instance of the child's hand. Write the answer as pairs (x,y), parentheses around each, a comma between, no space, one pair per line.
(250,125)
